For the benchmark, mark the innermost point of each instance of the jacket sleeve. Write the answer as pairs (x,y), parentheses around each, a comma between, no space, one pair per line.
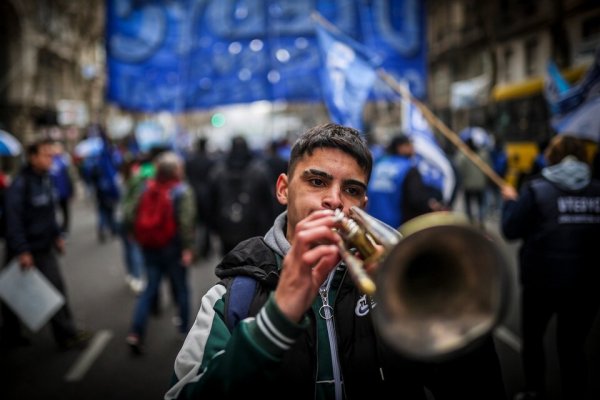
(16,235)
(186,217)
(518,215)
(216,363)
(133,192)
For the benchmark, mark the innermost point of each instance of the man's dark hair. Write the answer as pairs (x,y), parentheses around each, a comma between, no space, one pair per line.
(397,140)
(34,147)
(333,136)
(564,145)
(201,144)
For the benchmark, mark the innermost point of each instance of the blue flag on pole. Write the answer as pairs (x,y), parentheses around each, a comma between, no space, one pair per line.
(583,123)
(563,99)
(555,85)
(347,76)
(433,164)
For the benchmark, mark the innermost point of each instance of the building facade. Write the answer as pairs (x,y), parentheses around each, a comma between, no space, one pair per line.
(51,66)
(485,57)
(487,62)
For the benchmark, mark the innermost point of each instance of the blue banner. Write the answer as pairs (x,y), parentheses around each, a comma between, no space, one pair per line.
(181,55)
(347,75)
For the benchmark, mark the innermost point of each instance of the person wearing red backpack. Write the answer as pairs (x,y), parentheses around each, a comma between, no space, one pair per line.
(164,229)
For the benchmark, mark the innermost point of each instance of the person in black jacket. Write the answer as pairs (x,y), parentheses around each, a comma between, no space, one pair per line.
(557,215)
(197,171)
(240,194)
(32,237)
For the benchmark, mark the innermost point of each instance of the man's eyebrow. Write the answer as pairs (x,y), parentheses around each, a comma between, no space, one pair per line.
(356,183)
(325,175)
(317,172)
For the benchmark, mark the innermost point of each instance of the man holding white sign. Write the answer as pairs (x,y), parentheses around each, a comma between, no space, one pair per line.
(32,237)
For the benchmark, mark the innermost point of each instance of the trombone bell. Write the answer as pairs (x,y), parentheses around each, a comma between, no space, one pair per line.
(440,287)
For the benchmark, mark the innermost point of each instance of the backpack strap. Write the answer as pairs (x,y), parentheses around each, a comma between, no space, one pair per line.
(241,292)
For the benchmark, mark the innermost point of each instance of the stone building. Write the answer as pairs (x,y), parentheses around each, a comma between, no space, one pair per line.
(51,66)
(487,61)
(486,56)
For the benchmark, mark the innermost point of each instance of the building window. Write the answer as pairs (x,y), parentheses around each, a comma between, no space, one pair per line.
(531,57)
(458,15)
(508,64)
(591,28)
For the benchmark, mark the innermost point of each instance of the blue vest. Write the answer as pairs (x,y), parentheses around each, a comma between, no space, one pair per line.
(385,189)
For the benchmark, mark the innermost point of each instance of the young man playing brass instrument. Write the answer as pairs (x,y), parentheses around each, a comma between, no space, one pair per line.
(308,332)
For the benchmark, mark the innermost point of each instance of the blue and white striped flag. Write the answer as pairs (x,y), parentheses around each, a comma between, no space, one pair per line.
(347,76)
(9,145)
(563,101)
(433,164)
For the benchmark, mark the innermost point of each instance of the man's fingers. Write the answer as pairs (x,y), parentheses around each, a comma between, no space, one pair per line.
(314,255)
(317,218)
(325,265)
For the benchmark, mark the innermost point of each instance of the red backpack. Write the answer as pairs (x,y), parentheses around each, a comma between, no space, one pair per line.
(155,224)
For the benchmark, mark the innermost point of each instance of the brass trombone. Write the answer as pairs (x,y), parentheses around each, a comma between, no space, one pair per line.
(441,285)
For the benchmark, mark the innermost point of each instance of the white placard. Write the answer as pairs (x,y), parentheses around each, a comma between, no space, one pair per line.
(30,295)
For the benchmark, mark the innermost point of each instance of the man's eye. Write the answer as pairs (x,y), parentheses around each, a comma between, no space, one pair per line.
(355,191)
(316,182)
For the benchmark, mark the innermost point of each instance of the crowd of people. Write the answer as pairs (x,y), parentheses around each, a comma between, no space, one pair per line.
(285,311)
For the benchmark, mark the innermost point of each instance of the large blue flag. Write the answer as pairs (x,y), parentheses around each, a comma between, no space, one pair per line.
(433,164)
(583,123)
(555,85)
(574,110)
(563,99)
(347,76)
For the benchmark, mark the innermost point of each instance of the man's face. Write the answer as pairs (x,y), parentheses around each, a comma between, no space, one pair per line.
(406,150)
(42,161)
(327,179)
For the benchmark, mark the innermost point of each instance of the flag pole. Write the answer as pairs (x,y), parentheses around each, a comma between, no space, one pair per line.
(318,18)
(442,128)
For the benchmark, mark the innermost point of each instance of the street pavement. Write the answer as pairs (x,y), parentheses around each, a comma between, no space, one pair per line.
(102,303)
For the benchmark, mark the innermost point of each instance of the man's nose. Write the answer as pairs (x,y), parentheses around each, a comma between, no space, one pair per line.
(333,199)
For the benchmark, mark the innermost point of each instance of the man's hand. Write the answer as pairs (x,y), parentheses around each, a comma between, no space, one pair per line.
(311,258)
(509,193)
(187,257)
(26,260)
(435,205)
(59,243)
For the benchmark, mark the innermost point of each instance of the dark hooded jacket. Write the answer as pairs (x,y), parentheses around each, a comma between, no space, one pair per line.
(30,218)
